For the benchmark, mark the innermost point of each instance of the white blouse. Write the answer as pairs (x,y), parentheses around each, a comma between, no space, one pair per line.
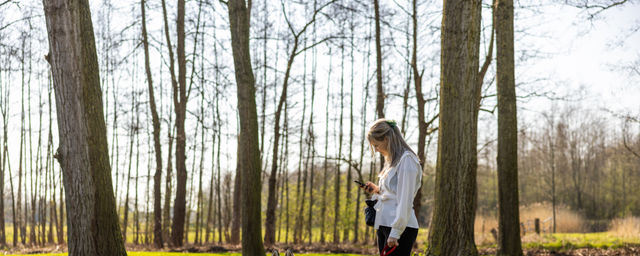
(398,186)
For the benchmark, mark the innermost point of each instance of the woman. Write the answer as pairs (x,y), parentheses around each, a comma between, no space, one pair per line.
(399,182)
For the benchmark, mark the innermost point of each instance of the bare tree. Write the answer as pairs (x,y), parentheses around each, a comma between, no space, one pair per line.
(456,191)
(248,142)
(83,154)
(508,211)
(157,205)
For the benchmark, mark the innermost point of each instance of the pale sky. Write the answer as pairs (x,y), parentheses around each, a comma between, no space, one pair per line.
(575,57)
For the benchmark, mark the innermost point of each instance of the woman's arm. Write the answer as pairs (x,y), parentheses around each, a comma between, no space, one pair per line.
(408,175)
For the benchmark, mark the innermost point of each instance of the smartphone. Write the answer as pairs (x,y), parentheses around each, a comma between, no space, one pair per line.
(359,183)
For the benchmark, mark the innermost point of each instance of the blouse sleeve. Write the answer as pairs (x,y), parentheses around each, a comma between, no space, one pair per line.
(409,176)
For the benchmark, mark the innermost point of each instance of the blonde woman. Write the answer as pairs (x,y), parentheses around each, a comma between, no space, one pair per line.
(398,184)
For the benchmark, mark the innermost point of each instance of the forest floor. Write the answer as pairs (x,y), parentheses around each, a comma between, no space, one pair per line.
(566,250)
(604,243)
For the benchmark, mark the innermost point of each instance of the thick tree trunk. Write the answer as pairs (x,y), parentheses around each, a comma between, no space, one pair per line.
(509,217)
(239,15)
(157,148)
(93,222)
(456,189)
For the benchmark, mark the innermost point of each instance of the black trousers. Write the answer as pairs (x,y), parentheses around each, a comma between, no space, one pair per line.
(405,243)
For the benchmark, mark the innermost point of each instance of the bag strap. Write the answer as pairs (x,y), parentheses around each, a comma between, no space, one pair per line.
(387,250)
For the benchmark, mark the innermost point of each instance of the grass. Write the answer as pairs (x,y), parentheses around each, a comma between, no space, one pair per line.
(567,241)
(554,242)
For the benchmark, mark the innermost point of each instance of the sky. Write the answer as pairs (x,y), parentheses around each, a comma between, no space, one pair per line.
(557,50)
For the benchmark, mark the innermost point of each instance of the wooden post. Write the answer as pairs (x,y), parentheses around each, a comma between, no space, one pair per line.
(537,225)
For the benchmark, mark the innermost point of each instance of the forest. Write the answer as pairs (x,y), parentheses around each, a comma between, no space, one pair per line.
(524,116)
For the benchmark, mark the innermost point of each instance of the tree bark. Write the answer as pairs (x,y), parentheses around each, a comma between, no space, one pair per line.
(336,210)
(248,146)
(508,212)
(325,175)
(456,189)
(157,148)
(180,103)
(422,125)
(237,197)
(380,90)
(125,221)
(93,222)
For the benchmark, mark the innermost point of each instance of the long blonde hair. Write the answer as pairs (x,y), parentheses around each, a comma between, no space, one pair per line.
(396,145)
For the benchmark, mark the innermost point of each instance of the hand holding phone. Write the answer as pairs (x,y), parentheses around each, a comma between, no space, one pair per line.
(369,186)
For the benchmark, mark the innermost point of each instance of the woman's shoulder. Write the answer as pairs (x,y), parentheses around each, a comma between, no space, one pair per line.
(409,157)
(409,154)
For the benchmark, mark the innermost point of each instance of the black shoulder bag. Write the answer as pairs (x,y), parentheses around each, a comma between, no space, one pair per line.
(370,212)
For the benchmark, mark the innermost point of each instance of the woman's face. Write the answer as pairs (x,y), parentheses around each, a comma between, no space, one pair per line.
(380,145)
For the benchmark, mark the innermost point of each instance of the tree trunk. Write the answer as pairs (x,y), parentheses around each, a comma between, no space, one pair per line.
(210,209)
(236,221)
(180,103)
(286,170)
(336,220)
(125,222)
(157,148)
(508,213)
(53,215)
(93,222)
(380,91)
(422,125)
(5,167)
(456,189)
(198,239)
(136,213)
(349,177)
(166,221)
(302,169)
(18,221)
(239,15)
(219,123)
(312,135)
(325,168)
(3,239)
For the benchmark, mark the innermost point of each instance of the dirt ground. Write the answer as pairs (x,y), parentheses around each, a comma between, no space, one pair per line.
(332,249)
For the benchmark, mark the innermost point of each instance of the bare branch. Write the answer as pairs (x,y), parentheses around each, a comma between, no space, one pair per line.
(595,5)
(315,44)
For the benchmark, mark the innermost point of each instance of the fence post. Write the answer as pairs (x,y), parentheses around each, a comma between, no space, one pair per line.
(537,225)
